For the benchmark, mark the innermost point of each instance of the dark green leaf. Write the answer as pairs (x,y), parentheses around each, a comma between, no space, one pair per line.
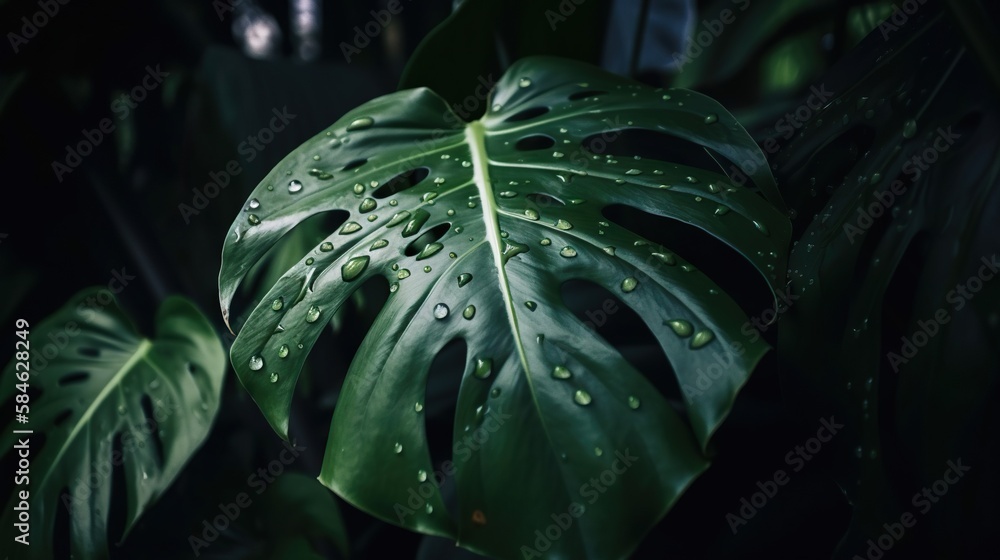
(498,223)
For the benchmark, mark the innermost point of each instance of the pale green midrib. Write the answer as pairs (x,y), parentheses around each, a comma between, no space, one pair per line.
(480,160)
(140,354)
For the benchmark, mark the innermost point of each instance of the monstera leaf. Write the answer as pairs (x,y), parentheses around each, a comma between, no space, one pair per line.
(475,227)
(103,398)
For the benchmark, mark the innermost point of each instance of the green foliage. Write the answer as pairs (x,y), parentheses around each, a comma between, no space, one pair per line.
(106,382)
(474,227)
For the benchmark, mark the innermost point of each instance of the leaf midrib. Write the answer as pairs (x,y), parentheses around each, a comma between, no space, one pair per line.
(140,354)
(474,136)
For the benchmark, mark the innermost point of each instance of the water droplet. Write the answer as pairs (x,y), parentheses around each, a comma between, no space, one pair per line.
(680,327)
(353,268)
(546,242)
(633,402)
(367,205)
(429,250)
(440,311)
(256,362)
(378,245)
(121,409)
(464,279)
(398,218)
(360,124)
(484,367)
(524,82)
(665,258)
(495,392)
(531,213)
(609,250)
(429,508)
(909,129)
(511,249)
(633,172)
(294,186)
(274,377)
(313,314)
(398,448)
(418,407)
(422,475)
(561,372)
(416,222)
(858,452)
(254,203)
(359,188)
(283,351)
(278,304)
(558,154)
(326,246)
(567,252)
(721,210)
(350,227)
(531,305)
(711,118)
(253,219)
(154,384)
(403,273)
(394,287)
(761,227)
(701,338)
(469,312)
(309,261)
(629,284)
(581,397)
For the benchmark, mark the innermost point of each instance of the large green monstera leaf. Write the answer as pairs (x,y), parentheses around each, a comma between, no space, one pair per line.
(475,227)
(102,399)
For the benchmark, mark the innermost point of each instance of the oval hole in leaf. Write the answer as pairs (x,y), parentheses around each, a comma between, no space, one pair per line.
(440,401)
(535,142)
(426,238)
(354,164)
(622,328)
(401,182)
(75,377)
(60,530)
(542,200)
(734,274)
(651,144)
(118,503)
(527,114)
(151,429)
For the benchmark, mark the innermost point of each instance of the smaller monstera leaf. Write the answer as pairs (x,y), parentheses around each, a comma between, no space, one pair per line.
(475,227)
(102,398)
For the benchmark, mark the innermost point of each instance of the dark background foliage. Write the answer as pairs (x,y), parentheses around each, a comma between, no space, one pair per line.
(120,208)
